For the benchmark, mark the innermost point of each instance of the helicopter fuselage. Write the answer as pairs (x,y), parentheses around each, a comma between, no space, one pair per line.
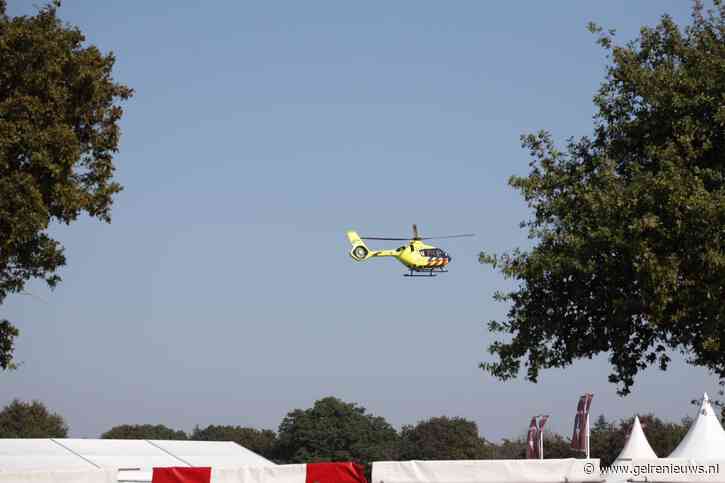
(415,255)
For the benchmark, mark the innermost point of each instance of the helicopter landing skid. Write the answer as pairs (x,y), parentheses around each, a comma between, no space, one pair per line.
(424,273)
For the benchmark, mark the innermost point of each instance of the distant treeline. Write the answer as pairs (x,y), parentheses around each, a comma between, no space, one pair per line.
(334,430)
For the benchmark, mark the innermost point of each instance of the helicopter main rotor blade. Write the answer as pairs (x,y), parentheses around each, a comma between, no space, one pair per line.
(447,236)
(383,238)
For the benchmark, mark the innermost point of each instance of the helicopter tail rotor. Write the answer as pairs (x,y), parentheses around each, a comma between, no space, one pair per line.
(359,251)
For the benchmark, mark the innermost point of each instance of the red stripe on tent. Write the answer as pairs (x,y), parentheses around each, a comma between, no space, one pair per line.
(181,475)
(335,473)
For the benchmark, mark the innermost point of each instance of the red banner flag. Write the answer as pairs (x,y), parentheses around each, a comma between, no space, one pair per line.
(542,422)
(588,402)
(579,437)
(578,429)
(532,442)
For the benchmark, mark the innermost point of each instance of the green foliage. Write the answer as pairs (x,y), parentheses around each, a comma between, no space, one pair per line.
(30,420)
(8,333)
(511,449)
(555,446)
(333,430)
(629,253)
(261,441)
(443,438)
(607,440)
(143,431)
(58,133)
(558,446)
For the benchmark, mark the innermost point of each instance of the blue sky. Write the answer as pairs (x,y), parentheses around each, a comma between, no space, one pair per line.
(222,292)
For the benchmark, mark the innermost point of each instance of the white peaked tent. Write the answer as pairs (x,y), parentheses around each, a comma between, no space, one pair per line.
(637,446)
(705,439)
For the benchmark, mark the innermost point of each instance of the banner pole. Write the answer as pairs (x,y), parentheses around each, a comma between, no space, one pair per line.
(587,435)
(541,444)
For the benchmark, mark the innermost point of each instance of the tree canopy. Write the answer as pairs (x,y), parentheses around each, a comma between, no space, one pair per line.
(261,441)
(443,438)
(333,430)
(143,431)
(629,247)
(58,134)
(31,420)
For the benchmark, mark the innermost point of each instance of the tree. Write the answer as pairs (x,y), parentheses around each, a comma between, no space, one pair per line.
(629,248)
(557,446)
(31,420)
(511,449)
(143,431)
(443,438)
(58,132)
(333,430)
(261,441)
(606,440)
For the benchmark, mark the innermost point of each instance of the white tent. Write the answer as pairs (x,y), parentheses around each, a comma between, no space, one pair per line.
(115,454)
(637,446)
(705,439)
(487,471)
(301,473)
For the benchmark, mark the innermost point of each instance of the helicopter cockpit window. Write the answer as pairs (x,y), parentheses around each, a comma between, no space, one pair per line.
(433,253)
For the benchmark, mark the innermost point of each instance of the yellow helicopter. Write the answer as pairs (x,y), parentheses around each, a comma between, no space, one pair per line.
(422,260)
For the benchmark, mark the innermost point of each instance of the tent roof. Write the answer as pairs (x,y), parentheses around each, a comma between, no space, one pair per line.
(73,454)
(212,453)
(33,454)
(637,446)
(121,453)
(705,439)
